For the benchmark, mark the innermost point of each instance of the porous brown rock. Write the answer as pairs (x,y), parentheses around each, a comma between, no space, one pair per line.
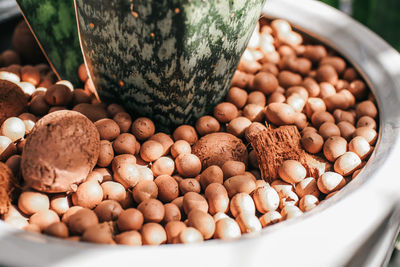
(217,148)
(274,146)
(60,151)
(12,100)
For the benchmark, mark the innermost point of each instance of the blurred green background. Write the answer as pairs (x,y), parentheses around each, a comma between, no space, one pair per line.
(381,16)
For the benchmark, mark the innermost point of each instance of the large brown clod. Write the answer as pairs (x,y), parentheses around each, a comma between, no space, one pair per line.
(274,146)
(8,184)
(12,100)
(217,148)
(60,151)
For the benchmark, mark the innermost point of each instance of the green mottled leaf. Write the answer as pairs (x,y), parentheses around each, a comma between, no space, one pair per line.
(169,60)
(54,25)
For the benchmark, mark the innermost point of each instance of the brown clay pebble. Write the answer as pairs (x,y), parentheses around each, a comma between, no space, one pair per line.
(57,229)
(269,67)
(92,112)
(188,165)
(236,96)
(203,222)
(193,200)
(366,121)
(113,191)
(168,188)
(108,210)
(108,129)
(106,154)
(82,73)
(163,165)
(265,82)
(338,63)
(165,140)
(239,184)
(30,74)
(100,234)
(328,129)
(358,89)
(347,163)
(249,66)
(152,209)
(30,202)
(81,220)
(60,203)
(315,52)
(312,142)
(212,174)
(71,211)
(80,96)
(187,133)
(276,97)
(44,218)
(366,108)
(207,124)
(225,112)
(327,73)
(320,117)
(189,185)
(123,120)
(217,197)
(334,147)
(287,79)
(368,133)
(346,129)
(9,57)
(144,190)
(253,112)
(151,150)
(172,213)
(126,173)
(291,171)
(58,95)
(88,195)
(129,238)
(330,182)
(113,109)
(130,219)
(153,234)
(142,128)
(280,114)
(237,126)
(180,147)
(311,86)
(240,79)
(342,115)
(60,151)
(125,143)
(232,168)
(173,229)
(257,98)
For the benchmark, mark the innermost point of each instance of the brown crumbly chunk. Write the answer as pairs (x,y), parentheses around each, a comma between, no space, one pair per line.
(60,151)
(8,185)
(217,148)
(273,146)
(12,100)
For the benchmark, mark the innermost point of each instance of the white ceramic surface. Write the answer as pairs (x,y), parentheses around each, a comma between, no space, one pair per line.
(356,227)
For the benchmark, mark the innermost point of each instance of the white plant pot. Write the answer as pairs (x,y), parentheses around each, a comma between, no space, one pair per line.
(356,227)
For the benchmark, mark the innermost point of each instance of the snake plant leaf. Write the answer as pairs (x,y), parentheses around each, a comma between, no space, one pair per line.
(170,60)
(53,23)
